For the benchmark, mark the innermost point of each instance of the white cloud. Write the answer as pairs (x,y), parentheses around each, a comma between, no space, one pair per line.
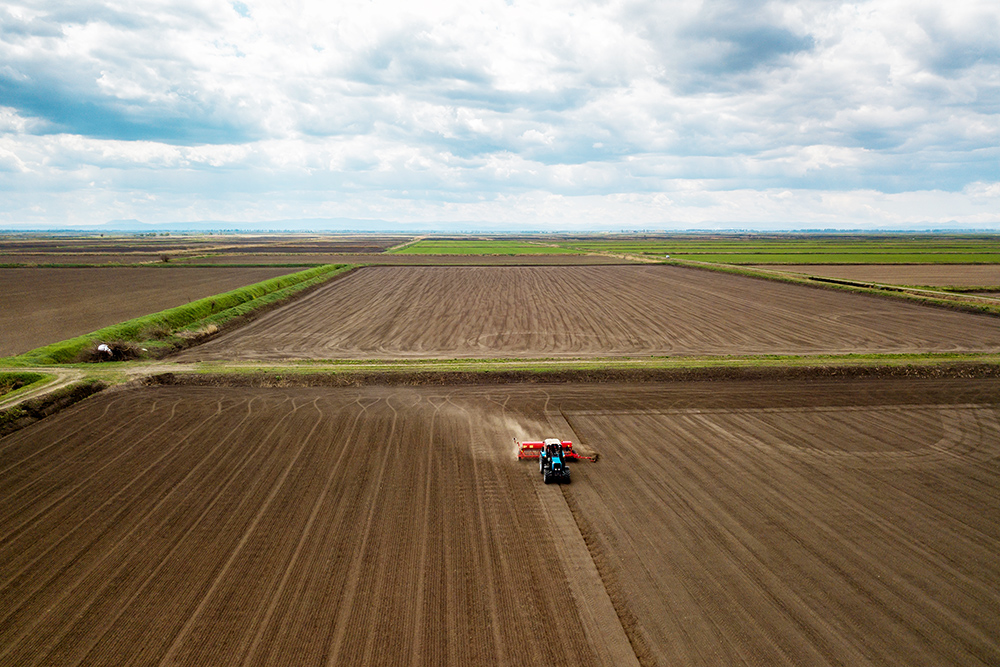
(772,110)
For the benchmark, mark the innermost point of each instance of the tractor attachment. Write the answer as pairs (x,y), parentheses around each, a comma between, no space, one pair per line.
(552,455)
(533,450)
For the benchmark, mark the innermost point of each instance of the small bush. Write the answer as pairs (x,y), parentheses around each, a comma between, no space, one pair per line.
(121,350)
(157,331)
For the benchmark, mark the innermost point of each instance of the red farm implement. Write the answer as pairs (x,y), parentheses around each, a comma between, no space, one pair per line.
(552,455)
(533,449)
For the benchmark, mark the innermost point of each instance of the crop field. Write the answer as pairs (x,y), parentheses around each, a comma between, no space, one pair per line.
(76,259)
(486,312)
(40,249)
(200,520)
(805,522)
(401,259)
(968,275)
(42,306)
(482,247)
(811,249)
(873,257)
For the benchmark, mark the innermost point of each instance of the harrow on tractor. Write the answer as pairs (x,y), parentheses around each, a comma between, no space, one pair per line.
(552,454)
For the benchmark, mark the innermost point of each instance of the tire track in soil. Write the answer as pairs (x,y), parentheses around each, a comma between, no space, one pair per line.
(601,622)
(171,653)
(52,422)
(347,600)
(250,652)
(739,549)
(36,585)
(956,432)
(314,602)
(486,487)
(108,580)
(176,541)
(894,593)
(512,517)
(418,605)
(731,453)
(122,509)
(914,555)
(22,494)
(391,574)
(726,631)
(297,609)
(713,543)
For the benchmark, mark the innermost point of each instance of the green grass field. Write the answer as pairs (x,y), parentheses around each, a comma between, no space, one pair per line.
(731,249)
(916,249)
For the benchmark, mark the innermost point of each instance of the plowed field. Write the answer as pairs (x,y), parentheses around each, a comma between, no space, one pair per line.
(42,306)
(388,312)
(725,523)
(958,275)
(34,259)
(403,259)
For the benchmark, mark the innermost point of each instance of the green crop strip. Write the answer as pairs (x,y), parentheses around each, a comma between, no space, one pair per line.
(165,330)
(823,250)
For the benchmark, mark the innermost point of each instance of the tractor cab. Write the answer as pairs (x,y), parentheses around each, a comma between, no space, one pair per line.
(552,462)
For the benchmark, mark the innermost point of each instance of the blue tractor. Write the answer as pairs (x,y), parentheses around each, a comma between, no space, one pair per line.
(552,462)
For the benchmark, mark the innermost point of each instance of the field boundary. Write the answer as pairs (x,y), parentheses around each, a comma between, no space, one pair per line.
(359,378)
(970,304)
(31,410)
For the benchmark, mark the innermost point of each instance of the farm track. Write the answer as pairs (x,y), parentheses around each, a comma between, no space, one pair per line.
(484,312)
(784,522)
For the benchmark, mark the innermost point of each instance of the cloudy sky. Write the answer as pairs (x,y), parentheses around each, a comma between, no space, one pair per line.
(528,115)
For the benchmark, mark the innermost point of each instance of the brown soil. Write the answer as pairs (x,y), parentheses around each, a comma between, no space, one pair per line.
(412,260)
(395,312)
(35,259)
(840,522)
(290,243)
(42,306)
(965,275)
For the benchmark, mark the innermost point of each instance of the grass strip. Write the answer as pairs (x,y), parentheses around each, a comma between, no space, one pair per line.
(16,382)
(160,331)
